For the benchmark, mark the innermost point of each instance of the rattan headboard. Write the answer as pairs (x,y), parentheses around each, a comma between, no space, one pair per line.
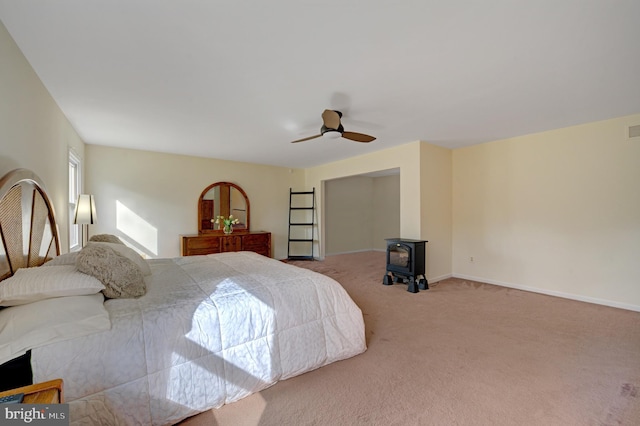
(27,223)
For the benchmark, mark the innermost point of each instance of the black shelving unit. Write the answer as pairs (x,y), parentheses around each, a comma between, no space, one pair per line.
(302,216)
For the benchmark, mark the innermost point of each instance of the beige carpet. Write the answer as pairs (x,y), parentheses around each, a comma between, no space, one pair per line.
(461,353)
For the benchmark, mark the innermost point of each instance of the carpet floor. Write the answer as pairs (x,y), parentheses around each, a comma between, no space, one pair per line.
(460,353)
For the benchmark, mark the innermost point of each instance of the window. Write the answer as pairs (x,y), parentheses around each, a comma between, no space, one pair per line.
(75,187)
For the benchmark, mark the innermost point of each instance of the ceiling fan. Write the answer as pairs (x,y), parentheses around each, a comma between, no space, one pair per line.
(332,128)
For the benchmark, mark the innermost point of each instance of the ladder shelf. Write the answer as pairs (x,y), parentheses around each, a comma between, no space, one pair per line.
(301,224)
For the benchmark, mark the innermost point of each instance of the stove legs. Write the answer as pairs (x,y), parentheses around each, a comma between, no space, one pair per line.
(423,284)
(413,285)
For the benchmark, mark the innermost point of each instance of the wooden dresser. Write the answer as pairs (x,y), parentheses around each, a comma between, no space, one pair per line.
(40,393)
(257,241)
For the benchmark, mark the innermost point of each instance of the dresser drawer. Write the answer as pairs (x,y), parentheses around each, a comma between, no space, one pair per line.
(259,242)
(197,245)
(231,243)
(255,241)
(265,251)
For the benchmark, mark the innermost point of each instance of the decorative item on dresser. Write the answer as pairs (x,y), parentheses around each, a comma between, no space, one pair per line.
(224,199)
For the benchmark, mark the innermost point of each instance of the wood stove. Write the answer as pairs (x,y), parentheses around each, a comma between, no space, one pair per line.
(406,263)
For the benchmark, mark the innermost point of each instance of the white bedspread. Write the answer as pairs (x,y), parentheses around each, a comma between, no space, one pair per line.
(210,330)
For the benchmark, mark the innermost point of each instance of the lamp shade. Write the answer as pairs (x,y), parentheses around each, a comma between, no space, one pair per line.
(85,213)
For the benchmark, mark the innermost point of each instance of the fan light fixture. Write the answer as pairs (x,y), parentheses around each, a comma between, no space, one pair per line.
(331,134)
(332,129)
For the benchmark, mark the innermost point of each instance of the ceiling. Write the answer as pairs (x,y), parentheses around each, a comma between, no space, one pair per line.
(240,80)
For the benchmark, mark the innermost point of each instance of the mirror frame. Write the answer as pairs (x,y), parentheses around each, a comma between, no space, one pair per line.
(220,231)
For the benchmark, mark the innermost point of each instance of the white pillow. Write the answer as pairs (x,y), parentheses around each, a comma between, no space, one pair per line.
(127,252)
(63,259)
(48,321)
(32,284)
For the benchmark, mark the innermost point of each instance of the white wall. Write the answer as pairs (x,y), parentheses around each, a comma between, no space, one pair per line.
(34,133)
(432,224)
(386,210)
(360,212)
(556,212)
(161,191)
(405,158)
(348,214)
(436,223)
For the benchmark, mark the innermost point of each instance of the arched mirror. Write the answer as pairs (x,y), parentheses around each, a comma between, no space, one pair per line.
(222,199)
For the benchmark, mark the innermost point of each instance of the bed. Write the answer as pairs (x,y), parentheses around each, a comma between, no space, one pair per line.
(209,330)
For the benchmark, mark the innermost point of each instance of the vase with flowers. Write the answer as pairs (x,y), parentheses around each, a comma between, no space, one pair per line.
(226,223)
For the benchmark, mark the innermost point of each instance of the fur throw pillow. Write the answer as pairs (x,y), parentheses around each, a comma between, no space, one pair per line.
(106,238)
(121,277)
(127,252)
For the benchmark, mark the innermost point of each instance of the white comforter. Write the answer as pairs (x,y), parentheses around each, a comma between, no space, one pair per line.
(210,330)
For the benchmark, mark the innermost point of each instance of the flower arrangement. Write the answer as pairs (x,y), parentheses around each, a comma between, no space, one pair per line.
(226,223)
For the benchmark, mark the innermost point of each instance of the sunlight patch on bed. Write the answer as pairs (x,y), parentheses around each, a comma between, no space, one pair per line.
(186,384)
(233,336)
(136,228)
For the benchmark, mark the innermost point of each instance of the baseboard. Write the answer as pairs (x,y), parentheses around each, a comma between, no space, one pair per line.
(353,251)
(440,278)
(571,296)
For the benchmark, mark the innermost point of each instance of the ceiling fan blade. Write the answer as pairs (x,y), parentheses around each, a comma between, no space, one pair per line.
(358,137)
(306,139)
(331,119)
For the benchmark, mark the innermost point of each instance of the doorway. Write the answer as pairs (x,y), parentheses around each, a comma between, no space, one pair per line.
(361,211)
